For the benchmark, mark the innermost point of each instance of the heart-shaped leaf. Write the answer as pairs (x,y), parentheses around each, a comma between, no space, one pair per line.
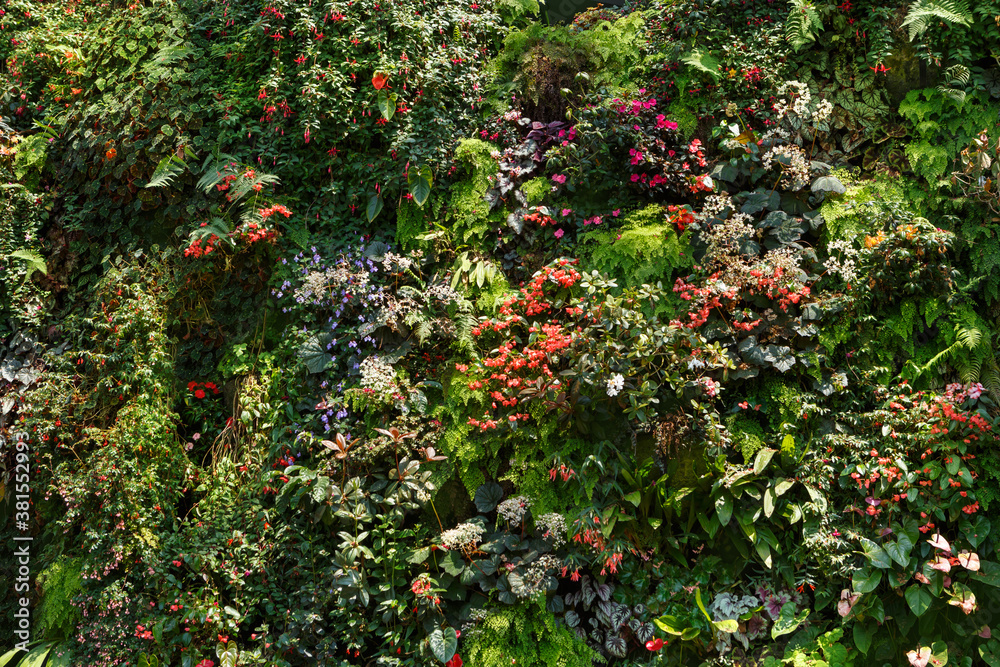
(444,643)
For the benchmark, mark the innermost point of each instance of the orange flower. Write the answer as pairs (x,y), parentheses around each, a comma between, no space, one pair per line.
(379,80)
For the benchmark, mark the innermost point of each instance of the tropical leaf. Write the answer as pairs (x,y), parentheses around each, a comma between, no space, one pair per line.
(923,13)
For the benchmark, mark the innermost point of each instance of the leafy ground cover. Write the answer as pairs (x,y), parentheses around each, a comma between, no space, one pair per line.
(405,333)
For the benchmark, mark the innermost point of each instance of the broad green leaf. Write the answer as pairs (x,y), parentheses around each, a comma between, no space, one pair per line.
(769,499)
(863,633)
(724,508)
(866,580)
(701,605)
(728,625)
(387,104)
(488,496)
(419,180)
(900,550)
(919,599)
(875,554)
(667,623)
(635,498)
(443,643)
(762,459)
(11,657)
(374,207)
(788,620)
(783,486)
(36,656)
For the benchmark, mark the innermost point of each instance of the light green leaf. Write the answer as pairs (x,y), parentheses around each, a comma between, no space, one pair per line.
(762,459)
(788,620)
(875,554)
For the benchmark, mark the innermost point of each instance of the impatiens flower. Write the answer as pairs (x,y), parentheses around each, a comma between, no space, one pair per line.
(559,178)
(655,644)
(559,233)
(566,211)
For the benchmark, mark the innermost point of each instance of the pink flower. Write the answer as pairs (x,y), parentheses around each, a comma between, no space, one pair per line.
(615,213)
(559,178)
(559,233)
(566,211)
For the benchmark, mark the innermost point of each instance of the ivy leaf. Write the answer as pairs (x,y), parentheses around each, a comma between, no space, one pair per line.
(488,496)
(444,643)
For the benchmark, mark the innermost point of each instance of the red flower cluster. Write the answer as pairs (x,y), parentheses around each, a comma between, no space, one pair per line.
(199,388)
(203,246)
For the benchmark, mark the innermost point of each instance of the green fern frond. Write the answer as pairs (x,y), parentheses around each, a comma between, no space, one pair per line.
(168,169)
(802,24)
(924,12)
(703,62)
(969,337)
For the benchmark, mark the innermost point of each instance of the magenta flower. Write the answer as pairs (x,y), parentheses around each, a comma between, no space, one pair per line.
(566,211)
(559,233)
(559,178)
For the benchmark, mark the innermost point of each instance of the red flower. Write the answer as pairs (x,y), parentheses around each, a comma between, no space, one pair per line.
(456,661)
(200,393)
(379,80)
(192,385)
(655,644)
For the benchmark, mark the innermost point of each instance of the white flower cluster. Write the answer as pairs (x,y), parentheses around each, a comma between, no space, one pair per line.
(615,384)
(724,239)
(796,172)
(464,536)
(377,375)
(716,205)
(532,581)
(844,265)
(553,527)
(513,509)
(823,111)
(512,115)
(799,102)
(392,262)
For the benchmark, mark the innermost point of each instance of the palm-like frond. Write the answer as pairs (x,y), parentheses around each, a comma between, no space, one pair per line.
(924,12)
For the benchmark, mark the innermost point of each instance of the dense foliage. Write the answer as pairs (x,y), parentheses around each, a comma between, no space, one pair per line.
(387,332)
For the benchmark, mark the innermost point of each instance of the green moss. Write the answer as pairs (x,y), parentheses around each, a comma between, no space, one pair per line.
(468,211)
(747,435)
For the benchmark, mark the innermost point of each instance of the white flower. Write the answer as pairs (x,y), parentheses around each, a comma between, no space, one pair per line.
(615,384)
(465,536)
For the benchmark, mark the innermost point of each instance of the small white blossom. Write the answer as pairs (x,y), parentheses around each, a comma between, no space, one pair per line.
(465,536)
(615,384)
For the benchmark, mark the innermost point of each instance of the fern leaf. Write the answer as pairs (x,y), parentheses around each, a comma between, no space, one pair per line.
(802,24)
(923,12)
(166,171)
(703,62)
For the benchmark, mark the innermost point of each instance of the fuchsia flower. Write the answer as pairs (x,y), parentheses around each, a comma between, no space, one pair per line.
(559,233)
